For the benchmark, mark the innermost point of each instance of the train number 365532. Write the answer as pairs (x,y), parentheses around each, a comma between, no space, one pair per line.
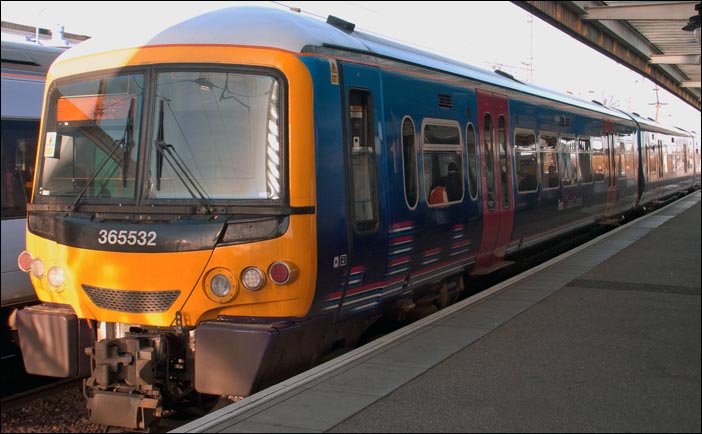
(130,238)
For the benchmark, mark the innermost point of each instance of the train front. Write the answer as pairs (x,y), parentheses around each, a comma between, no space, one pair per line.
(171,234)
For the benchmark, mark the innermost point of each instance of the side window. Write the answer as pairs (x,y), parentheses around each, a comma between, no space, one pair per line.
(363,160)
(629,167)
(569,161)
(442,155)
(472,146)
(584,161)
(548,147)
(526,161)
(652,158)
(409,162)
(19,138)
(489,163)
(620,155)
(599,163)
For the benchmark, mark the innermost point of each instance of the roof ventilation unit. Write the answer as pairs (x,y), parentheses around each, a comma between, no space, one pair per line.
(340,24)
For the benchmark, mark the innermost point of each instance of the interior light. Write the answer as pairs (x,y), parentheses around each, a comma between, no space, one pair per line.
(694,23)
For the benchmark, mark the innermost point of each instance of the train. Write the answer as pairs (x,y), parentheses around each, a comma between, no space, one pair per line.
(222,203)
(24,68)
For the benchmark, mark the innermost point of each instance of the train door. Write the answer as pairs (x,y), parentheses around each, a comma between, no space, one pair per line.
(611,174)
(363,128)
(497,192)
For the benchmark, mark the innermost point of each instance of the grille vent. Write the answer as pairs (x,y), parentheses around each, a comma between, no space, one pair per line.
(445,101)
(131,301)
(565,121)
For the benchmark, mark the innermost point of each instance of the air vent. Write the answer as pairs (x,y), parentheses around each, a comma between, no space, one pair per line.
(506,75)
(445,101)
(131,301)
(564,121)
(340,24)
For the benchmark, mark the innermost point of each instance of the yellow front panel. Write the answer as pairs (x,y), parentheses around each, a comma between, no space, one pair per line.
(184,271)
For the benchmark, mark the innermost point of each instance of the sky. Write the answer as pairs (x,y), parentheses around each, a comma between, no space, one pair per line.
(488,35)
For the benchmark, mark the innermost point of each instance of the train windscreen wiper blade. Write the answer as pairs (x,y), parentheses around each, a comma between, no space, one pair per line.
(125,144)
(127,141)
(117,146)
(180,168)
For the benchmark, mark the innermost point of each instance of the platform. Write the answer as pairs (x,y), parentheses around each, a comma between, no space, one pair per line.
(605,338)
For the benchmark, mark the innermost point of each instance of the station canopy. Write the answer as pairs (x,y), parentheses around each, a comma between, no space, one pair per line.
(658,39)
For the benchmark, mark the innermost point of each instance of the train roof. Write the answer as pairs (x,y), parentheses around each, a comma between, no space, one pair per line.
(268,27)
(648,124)
(28,57)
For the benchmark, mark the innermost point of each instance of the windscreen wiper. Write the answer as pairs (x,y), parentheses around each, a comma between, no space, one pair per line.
(127,141)
(125,144)
(117,147)
(179,166)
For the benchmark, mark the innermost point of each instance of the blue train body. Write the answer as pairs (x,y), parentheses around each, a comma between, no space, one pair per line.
(417,245)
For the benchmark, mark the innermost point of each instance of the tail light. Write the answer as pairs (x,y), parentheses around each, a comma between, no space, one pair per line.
(24,262)
(281,272)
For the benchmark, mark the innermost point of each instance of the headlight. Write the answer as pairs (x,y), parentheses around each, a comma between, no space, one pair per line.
(220,285)
(253,279)
(38,268)
(55,276)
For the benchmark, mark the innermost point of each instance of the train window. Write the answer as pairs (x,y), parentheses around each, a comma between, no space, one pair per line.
(363,160)
(224,127)
(619,155)
(442,157)
(489,164)
(409,162)
(548,146)
(652,160)
(569,161)
(599,162)
(627,146)
(472,162)
(92,130)
(584,161)
(526,161)
(19,139)
(505,167)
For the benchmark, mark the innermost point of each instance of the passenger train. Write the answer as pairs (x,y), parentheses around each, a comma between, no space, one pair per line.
(24,69)
(220,204)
